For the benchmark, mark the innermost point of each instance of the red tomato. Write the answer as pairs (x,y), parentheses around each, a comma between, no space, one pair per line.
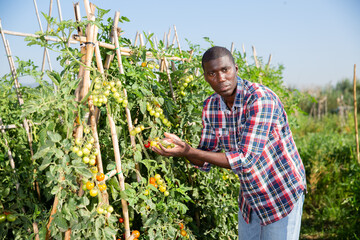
(121,220)
(100,177)
(152,180)
(136,233)
(147,145)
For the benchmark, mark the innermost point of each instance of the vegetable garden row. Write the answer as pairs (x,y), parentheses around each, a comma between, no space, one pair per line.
(76,162)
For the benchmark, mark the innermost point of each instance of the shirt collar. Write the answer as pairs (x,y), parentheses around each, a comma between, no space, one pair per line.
(238,98)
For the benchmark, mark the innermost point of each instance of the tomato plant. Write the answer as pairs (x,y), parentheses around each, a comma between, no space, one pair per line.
(160,192)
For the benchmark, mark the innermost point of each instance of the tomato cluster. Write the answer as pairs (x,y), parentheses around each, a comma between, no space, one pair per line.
(6,216)
(184,82)
(84,148)
(105,89)
(158,183)
(156,111)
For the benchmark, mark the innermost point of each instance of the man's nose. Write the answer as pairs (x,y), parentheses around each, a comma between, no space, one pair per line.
(221,77)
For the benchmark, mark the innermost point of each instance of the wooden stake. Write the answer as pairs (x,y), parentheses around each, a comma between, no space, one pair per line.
(177,39)
(355,118)
(18,93)
(246,63)
(232,48)
(255,57)
(136,38)
(141,40)
(45,49)
(169,78)
(109,58)
(168,38)
(268,64)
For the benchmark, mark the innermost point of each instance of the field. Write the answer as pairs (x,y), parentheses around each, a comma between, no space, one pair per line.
(75,161)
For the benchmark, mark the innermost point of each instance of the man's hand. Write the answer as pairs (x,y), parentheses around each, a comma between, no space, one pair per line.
(180,150)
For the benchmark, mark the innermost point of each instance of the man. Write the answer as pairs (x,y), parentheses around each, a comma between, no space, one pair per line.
(248,122)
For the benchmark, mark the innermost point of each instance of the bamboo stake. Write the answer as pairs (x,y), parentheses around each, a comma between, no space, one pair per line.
(110,57)
(232,48)
(246,63)
(11,126)
(18,93)
(169,78)
(168,38)
(60,17)
(127,110)
(268,63)
(141,40)
(136,38)
(11,159)
(257,64)
(355,118)
(119,172)
(45,49)
(177,39)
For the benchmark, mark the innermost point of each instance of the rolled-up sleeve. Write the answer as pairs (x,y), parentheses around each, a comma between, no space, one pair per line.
(260,114)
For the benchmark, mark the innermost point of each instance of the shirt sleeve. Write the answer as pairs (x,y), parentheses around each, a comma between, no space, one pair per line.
(208,140)
(260,114)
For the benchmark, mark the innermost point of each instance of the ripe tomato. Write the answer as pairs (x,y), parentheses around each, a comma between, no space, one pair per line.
(94,169)
(183,233)
(143,64)
(162,188)
(147,145)
(137,129)
(121,220)
(136,233)
(100,177)
(152,180)
(157,177)
(90,185)
(181,226)
(102,187)
(93,192)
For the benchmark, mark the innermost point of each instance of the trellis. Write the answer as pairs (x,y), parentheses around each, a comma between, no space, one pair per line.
(89,51)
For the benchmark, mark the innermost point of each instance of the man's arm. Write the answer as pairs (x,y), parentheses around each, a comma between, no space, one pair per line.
(195,156)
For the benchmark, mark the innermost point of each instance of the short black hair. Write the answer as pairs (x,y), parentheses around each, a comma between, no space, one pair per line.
(215,53)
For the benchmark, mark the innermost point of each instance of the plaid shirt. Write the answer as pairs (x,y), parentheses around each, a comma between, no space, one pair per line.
(259,146)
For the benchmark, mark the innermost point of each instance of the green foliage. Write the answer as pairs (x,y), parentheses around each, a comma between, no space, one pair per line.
(206,203)
(328,151)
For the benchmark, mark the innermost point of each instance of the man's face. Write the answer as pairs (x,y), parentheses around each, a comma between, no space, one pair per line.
(221,74)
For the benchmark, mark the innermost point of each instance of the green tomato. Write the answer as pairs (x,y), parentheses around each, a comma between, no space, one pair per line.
(11,218)
(110,209)
(2,218)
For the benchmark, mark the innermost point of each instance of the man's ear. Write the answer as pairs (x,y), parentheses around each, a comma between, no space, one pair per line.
(236,68)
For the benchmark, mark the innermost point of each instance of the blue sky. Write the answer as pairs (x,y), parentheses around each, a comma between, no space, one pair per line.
(318,42)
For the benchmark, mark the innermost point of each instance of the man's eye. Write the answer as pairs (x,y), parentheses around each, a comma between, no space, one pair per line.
(211,74)
(224,69)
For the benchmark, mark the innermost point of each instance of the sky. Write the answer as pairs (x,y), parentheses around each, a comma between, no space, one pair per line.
(318,42)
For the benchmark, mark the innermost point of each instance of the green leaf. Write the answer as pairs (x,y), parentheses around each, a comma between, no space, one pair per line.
(41,153)
(61,223)
(54,137)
